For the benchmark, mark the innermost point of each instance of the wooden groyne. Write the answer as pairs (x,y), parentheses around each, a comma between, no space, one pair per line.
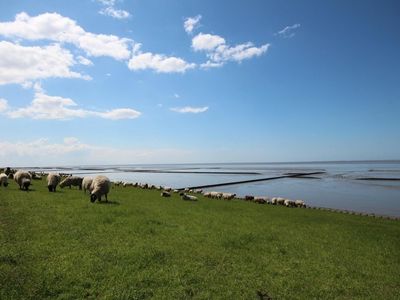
(292,175)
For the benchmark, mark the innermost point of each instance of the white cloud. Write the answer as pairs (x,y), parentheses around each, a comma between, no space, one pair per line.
(73,151)
(3,105)
(107,2)
(189,109)
(288,31)
(159,63)
(238,53)
(55,27)
(219,52)
(19,64)
(115,13)
(206,42)
(191,23)
(84,61)
(209,64)
(58,108)
(176,96)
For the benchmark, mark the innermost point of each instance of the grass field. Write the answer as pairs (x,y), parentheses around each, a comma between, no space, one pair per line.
(140,246)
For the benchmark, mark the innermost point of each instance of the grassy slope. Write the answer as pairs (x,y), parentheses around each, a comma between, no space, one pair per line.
(140,246)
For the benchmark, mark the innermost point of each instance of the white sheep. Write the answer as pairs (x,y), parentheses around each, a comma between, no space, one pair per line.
(100,186)
(261,200)
(228,196)
(188,197)
(300,203)
(280,201)
(53,179)
(289,203)
(87,184)
(23,179)
(72,181)
(3,179)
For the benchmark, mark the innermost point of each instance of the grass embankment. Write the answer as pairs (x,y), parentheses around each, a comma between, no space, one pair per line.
(59,245)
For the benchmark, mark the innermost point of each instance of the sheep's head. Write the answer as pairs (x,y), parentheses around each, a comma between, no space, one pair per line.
(93,198)
(26,183)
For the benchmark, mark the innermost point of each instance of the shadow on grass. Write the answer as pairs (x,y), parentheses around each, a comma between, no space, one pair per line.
(108,202)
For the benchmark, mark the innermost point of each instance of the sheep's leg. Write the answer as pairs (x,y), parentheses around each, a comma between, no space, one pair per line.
(106,198)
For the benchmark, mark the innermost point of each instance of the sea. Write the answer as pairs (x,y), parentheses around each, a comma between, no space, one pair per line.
(360,186)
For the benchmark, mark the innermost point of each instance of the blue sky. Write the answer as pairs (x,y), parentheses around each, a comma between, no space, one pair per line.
(113,81)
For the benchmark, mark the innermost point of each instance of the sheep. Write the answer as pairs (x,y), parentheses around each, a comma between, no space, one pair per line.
(165,194)
(207,194)
(188,197)
(72,181)
(3,179)
(167,188)
(176,191)
(23,179)
(289,203)
(261,200)
(87,184)
(53,179)
(216,195)
(300,203)
(198,191)
(248,198)
(280,201)
(228,196)
(100,186)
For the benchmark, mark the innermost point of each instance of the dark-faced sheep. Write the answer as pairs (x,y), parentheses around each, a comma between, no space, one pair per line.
(100,186)
(3,179)
(53,179)
(72,181)
(86,184)
(23,179)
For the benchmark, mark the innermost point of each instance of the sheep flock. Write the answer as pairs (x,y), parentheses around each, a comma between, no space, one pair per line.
(100,186)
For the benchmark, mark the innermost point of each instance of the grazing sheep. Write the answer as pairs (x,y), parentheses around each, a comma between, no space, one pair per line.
(248,198)
(167,188)
(72,181)
(165,194)
(198,191)
(300,203)
(216,195)
(87,184)
(207,194)
(228,196)
(176,191)
(188,197)
(53,179)
(289,203)
(261,200)
(100,186)
(280,201)
(23,179)
(3,179)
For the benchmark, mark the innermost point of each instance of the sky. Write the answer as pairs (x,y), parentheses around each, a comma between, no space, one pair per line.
(134,81)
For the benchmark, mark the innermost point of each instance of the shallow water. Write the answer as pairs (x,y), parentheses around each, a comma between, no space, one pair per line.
(339,187)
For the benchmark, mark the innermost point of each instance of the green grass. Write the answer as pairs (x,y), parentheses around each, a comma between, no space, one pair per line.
(140,246)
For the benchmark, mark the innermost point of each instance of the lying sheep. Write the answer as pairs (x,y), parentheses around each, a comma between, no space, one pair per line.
(165,194)
(100,186)
(3,179)
(87,184)
(72,181)
(53,179)
(188,197)
(23,179)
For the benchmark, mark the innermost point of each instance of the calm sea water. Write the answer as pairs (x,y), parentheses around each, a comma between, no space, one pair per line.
(339,187)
